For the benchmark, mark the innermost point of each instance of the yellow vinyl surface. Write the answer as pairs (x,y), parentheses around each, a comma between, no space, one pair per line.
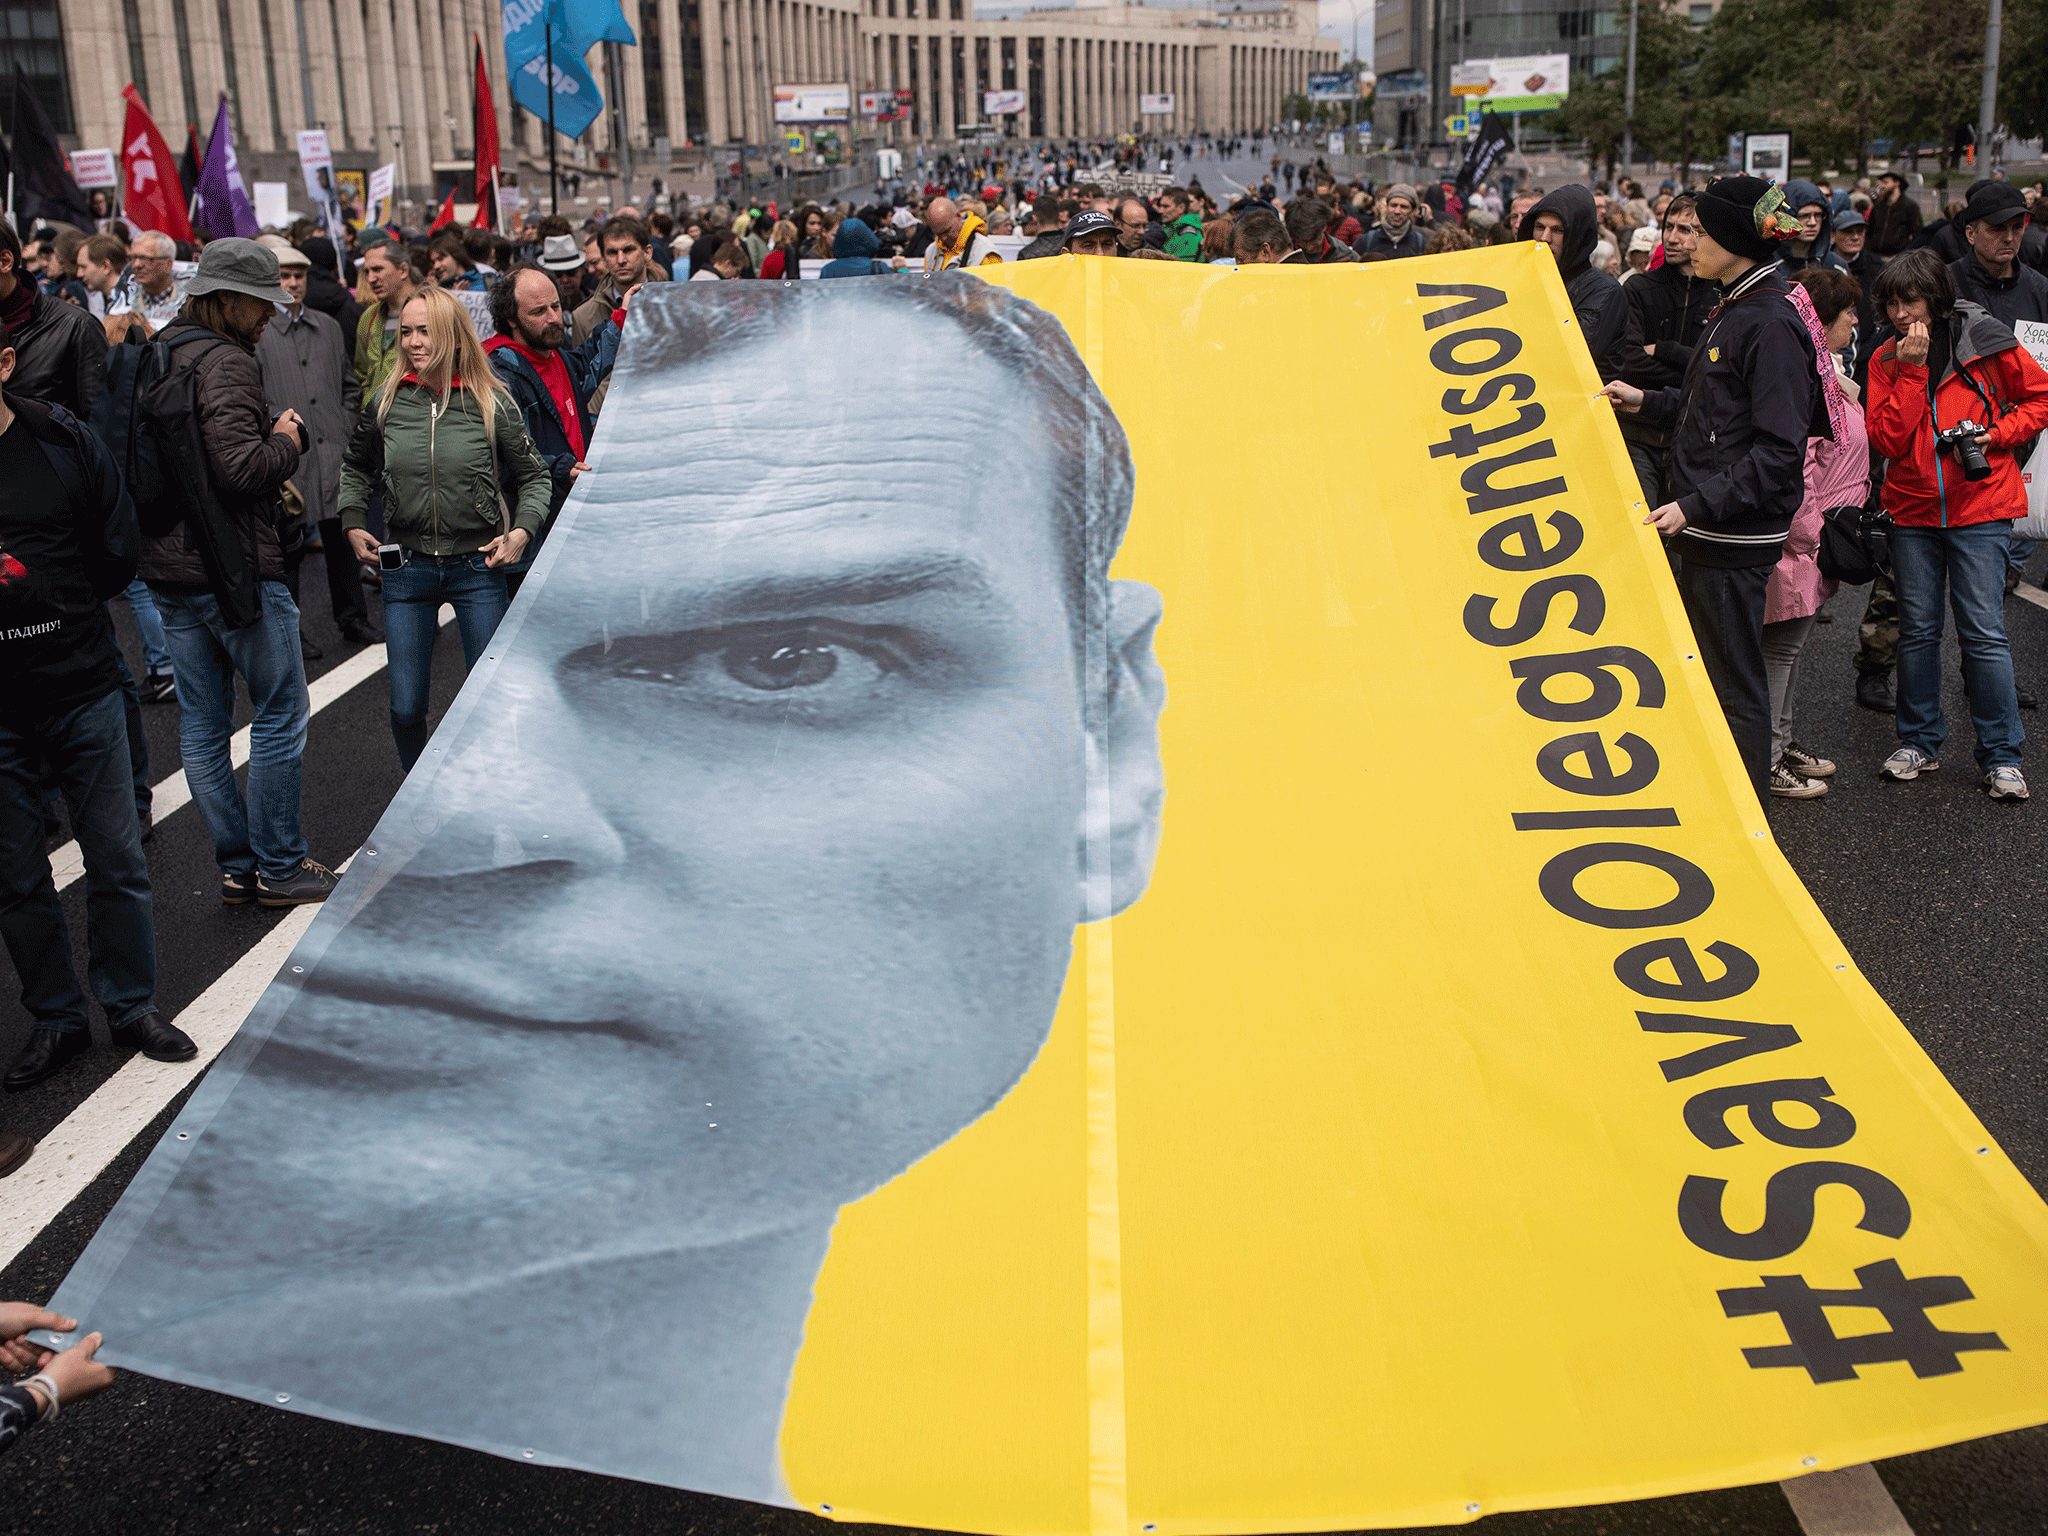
(1347,1190)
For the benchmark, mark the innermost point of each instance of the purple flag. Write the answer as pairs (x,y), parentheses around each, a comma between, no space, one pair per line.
(221,206)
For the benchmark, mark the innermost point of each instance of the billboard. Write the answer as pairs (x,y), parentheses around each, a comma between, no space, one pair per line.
(1001,103)
(1337,85)
(813,103)
(1526,83)
(1156,106)
(1767,155)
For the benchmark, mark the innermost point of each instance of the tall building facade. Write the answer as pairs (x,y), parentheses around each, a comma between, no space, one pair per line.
(391,79)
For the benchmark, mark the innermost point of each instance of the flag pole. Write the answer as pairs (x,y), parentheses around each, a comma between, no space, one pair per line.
(547,53)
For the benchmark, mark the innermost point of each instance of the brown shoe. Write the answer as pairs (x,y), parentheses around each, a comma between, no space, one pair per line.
(14,1151)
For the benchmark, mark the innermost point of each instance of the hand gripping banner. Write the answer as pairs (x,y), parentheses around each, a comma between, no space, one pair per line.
(1312,1032)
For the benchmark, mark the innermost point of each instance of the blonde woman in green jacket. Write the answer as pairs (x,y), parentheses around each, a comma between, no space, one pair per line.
(440,441)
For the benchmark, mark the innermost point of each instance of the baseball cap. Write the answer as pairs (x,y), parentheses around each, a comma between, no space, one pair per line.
(1644,239)
(1849,218)
(1086,222)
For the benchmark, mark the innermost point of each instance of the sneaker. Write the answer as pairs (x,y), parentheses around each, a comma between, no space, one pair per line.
(1908,763)
(1805,764)
(158,688)
(313,881)
(2006,783)
(237,890)
(1874,691)
(1788,785)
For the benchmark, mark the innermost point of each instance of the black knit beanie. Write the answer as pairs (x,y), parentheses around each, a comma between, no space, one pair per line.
(1747,216)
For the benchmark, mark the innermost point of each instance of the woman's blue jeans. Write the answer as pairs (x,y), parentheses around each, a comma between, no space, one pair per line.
(1970,563)
(413,595)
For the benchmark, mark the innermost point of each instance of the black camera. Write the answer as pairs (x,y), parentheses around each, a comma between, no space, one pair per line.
(1961,440)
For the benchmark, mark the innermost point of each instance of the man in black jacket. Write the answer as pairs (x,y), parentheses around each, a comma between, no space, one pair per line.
(58,347)
(1568,222)
(1750,400)
(68,542)
(1667,309)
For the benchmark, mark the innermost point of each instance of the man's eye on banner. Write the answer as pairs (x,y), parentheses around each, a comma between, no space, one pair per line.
(787,985)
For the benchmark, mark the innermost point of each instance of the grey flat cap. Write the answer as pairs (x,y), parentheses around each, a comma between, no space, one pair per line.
(238,266)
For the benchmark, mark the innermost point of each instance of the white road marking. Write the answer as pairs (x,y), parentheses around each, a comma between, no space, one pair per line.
(67,864)
(2032,594)
(1851,1502)
(120,1109)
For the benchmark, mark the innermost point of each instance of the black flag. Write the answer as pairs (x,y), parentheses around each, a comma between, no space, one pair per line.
(1483,153)
(189,162)
(43,188)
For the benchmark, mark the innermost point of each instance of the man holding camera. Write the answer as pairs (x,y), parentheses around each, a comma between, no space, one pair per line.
(1951,396)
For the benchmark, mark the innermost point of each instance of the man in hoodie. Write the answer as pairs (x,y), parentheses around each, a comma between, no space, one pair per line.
(1750,400)
(1396,233)
(1811,246)
(1668,307)
(1567,221)
(854,248)
(958,240)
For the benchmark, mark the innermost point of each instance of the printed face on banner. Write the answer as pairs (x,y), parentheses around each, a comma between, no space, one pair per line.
(751,878)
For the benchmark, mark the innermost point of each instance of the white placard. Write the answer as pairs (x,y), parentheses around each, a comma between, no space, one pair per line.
(1001,103)
(95,168)
(1156,106)
(273,201)
(2033,335)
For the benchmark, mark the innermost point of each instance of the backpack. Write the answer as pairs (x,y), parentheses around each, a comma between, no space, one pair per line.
(152,410)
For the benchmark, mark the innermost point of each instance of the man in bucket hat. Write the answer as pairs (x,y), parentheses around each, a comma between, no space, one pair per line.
(218,576)
(1750,399)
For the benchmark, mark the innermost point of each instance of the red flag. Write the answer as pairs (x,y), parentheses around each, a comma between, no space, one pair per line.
(151,193)
(486,148)
(445,217)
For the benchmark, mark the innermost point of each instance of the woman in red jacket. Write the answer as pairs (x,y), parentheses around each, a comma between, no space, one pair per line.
(1952,364)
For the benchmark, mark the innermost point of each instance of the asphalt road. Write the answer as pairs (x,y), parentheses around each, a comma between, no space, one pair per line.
(1936,891)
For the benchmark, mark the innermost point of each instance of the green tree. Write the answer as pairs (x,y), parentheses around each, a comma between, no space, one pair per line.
(2023,71)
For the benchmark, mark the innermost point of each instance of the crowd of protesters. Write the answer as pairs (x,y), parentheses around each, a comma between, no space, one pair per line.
(180,430)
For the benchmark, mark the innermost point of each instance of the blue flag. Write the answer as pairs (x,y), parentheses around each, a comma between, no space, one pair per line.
(577,25)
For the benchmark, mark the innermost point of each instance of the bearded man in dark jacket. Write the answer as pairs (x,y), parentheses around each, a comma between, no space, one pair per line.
(1568,222)
(213,625)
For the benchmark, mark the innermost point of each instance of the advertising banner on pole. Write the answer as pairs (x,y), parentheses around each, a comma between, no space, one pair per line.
(813,103)
(1001,103)
(1159,105)
(941,999)
(1527,83)
(1334,85)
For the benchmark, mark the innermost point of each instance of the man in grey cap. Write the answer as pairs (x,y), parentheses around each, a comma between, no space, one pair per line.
(218,576)
(1852,244)
(305,363)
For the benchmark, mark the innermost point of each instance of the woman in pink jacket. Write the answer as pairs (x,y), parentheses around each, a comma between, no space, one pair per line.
(1837,475)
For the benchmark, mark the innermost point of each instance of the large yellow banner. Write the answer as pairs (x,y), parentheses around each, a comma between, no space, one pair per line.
(1475,1114)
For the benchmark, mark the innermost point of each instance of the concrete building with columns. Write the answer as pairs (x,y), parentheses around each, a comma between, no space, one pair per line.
(392,81)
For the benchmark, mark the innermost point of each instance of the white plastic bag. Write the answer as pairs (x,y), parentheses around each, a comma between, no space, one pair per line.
(2033,335)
